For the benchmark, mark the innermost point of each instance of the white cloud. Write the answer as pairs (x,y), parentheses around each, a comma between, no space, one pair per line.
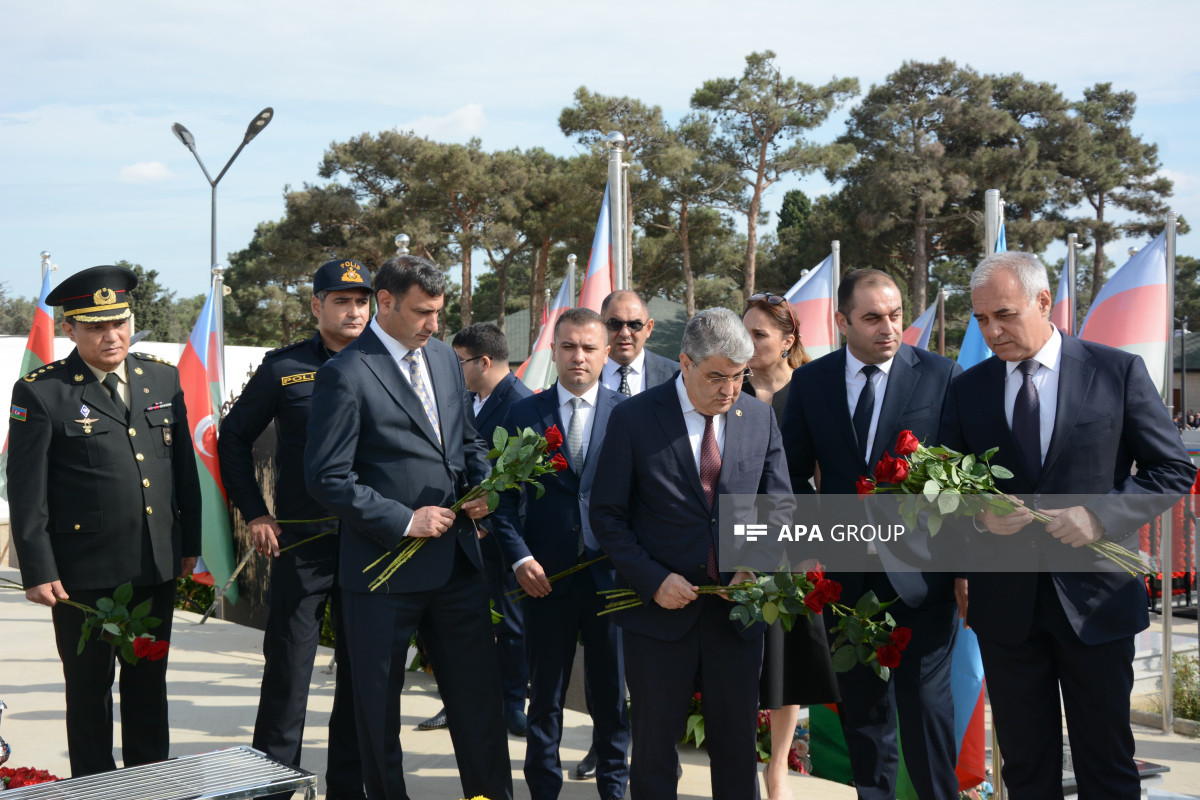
(459,125)
(145,172)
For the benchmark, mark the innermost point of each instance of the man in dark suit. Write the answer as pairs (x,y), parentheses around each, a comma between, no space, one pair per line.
(631,368)
(1068,417)
(103,490)
(844,412)
(303,578)
(667,456)
(483,353)
(556,534)
(391,444)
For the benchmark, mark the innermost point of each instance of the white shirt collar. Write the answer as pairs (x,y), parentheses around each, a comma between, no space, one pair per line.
(636,366)
(1050,356)
(589,397)
(854,365)
(397,350)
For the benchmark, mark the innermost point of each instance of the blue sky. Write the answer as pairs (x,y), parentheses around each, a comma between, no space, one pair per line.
(90,171)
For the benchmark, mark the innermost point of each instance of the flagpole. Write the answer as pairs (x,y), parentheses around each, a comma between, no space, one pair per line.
(991,220)
(616,210)
(941,317)
(571,259)
(1165,549)
(835,277)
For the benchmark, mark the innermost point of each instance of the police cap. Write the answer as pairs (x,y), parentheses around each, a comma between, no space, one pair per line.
(96,294)
(341,273)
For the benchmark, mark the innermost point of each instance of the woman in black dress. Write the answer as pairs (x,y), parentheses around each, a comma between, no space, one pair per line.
(796,665)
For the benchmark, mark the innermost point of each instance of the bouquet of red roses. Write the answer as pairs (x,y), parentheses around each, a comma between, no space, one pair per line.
(15,778)
(523,458)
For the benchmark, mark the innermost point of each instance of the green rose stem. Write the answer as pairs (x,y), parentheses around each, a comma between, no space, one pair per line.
(521,594)
(5,583)
(212,608)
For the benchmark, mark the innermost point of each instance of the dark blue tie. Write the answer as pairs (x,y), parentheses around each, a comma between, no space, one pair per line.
(864,410)
(1026,421)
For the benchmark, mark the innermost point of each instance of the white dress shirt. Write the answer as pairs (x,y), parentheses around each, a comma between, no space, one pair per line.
(610,376)
(694,421)
(1045,380)
(856,381)
(585,411)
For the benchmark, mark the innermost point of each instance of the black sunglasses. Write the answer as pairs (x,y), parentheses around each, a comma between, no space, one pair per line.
(615,325)
(774,299)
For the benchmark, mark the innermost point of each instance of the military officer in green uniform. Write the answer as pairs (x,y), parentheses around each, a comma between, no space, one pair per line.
(303,569)
(103,490)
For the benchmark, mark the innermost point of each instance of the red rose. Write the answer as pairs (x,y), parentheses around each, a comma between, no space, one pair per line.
(891,470)
(864,485)
(888,656)
(832,590)
(158,650)
(142,646)
(554,438)
(814,576)
(906,444)
(815,601)
(901,637)
(559,462)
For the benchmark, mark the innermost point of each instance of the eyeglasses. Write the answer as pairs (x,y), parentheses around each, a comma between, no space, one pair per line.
(720,380)
(775,300)
(615,325)
(469,360)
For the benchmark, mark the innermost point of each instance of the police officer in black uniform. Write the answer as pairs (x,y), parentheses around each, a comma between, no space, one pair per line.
(103,490)
(303,577)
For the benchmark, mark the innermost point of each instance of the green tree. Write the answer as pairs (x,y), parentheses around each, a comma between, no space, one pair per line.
(762,117)
(153,304)
(16,313)
(1113,167)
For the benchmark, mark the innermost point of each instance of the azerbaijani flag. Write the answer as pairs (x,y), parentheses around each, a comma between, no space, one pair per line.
(199,372)
(538,371)
(598,282)
(812,300)
(39,351)
(1060,312)
(918,333)
(1129,313)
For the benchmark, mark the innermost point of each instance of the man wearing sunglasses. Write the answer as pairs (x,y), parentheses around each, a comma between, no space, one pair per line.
(631,368)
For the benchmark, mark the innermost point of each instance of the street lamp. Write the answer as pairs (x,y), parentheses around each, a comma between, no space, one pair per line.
(184,135)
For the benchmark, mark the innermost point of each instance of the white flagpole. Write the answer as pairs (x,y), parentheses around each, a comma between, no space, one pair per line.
(1164,550)
(617,202)
(991,221)
(835,278)
(1072,255)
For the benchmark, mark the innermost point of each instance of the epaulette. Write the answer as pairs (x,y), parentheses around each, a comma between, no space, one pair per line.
(151,357)
(33,374)
(285,348)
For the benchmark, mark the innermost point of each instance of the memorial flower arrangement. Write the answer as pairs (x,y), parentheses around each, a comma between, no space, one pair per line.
(943,482)
(127,630)
(862,637)
(15,778)
(522,458)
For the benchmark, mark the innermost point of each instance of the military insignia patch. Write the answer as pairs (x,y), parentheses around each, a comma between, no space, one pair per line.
(351,275)
(17,413)
(288,380)
(104,296)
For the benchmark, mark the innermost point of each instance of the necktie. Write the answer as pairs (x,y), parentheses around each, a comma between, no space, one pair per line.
(575,434)
(113,384)
(1026,421)
(418,385)
(624,387)
(710,475)
(865,410)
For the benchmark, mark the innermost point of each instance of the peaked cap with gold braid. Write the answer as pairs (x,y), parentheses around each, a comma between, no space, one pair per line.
(97,294)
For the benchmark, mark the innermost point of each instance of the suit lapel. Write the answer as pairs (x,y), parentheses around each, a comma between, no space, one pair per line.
(902,380)
(1075,374)
(671,418)
(735,441)
(991,407)
(94,395)
(833,389)
(495,399)
(604,406)
(380,362)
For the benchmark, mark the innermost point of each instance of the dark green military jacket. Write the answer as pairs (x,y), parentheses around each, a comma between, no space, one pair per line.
(95,500)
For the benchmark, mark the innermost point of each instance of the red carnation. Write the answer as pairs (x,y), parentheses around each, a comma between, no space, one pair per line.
(891,470)
(559,462)
(888,656)
(554,438)
(906,444)
(901,637)
(864,485)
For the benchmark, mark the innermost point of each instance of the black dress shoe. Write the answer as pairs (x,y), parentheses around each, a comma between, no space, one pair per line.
(517,722)
(436,722)
(586,770)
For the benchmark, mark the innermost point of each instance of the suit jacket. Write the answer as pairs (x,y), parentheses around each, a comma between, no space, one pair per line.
(649,512)
(373,458)
(554,522)
(100,503)
(658,370)
(1108,418)
(508,391)
(817,430)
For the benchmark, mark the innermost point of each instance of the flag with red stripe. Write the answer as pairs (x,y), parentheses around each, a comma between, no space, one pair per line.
(39,351)
(813,302)
(598,282)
